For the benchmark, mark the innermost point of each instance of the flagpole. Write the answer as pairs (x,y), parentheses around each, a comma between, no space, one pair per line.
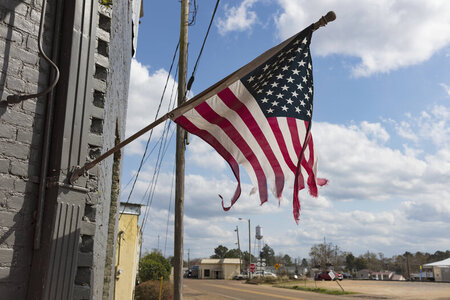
(180,159)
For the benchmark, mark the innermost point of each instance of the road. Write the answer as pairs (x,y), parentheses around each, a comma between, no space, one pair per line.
(194,289)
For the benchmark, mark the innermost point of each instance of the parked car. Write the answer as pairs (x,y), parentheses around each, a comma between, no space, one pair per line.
(347,275)
(264,274)
(325,275)
(240,276)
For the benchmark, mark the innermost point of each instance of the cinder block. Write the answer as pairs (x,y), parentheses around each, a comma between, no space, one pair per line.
(87,228)
(81,292)
(11,34)
(26,136)
(19,168)
(7,131)
(26,187)
(37,107)
(23,203)
(17,118)
(4,165)
(6,183)
(17,150)
(15,84)
(30,74)
(7,219)
(29,57)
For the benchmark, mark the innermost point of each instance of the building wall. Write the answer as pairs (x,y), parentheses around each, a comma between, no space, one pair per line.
(21,134)
(226,270)
(127,256)
(230,270)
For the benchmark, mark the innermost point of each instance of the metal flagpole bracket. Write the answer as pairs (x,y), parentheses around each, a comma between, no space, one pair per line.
(324,20)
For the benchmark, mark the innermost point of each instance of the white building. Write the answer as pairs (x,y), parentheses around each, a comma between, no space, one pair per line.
(225,268)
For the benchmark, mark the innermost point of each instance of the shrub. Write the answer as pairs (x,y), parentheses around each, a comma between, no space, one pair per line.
(152,266)
(149,290)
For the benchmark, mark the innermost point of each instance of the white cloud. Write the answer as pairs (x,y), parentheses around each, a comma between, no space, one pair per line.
(238,18)
(384,34)
(143,100)
(446,88)
(432,125)
(203,155)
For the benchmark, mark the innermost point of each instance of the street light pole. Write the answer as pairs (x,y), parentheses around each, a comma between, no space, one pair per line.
(249,248)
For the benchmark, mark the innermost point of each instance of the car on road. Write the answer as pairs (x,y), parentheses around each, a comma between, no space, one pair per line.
(264,274)
(325,275)
(240,276)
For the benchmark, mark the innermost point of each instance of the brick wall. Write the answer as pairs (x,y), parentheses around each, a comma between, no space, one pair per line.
(21,125)
(21,133)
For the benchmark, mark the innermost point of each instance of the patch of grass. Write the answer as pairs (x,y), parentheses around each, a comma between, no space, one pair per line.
(316,290)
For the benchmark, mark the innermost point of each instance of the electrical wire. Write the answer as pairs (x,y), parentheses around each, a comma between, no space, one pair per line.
(168,213)
(191,80)
(151,132)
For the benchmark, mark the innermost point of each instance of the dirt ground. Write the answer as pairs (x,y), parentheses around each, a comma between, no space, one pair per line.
(387,289)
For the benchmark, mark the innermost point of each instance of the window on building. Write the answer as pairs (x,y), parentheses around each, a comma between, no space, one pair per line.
(206,273)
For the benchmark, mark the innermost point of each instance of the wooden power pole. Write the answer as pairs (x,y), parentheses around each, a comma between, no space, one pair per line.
(180,147)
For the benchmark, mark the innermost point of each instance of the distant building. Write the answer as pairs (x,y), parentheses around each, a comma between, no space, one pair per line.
(398,277)
(385,275)
(441,270)
(129,241)
(364,274)
(225,268)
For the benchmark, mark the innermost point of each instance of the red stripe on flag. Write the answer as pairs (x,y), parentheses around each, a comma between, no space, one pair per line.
(206,136)
(292,125)
(312,177)
(235,104)
(281,143)
(211,116)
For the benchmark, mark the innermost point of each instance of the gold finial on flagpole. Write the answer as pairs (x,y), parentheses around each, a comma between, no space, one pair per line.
(324,20)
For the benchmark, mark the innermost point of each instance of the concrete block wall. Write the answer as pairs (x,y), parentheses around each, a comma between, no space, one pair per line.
(108,114)
(21,71)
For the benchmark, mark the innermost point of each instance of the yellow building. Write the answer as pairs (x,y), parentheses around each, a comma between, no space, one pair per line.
(129,239)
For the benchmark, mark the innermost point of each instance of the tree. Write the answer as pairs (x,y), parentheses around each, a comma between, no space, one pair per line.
(287,260)
(220,252)
(323,255)
(268,254)
(360,263)
(350,262)
(152,266)
(304,263)
(232,253)
(245,259)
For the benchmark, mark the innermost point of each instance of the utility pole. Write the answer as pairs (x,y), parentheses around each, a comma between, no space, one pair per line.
(239,248)
(180,147)
(249,248)
(189,258)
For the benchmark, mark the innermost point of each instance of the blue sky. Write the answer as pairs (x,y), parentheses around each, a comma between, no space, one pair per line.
(381,126)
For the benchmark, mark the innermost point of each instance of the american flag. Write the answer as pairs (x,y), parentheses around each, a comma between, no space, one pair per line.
(260,117)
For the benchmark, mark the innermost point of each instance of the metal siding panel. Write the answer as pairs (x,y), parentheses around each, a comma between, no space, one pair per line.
(90,27)
(62,268)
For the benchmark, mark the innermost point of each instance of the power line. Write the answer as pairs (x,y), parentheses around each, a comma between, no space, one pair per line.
(151,132)
(191,80)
